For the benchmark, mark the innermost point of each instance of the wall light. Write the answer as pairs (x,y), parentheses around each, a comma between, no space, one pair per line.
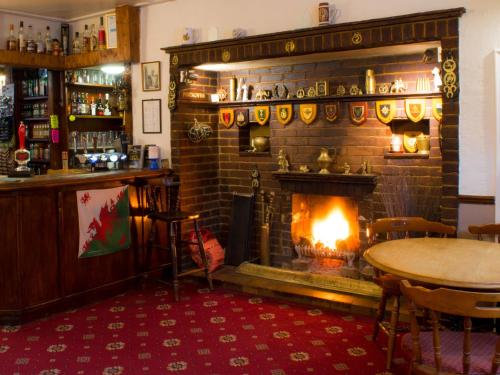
(113,69)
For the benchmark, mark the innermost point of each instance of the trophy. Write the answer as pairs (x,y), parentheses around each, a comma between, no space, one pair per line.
(21,155)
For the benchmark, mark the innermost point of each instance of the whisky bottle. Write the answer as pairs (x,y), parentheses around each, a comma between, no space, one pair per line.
(86,39)
(48,42)
(11,40)
(93,38)
(21,39)
(30,41)
(101,35)
(40,44)
(77,47)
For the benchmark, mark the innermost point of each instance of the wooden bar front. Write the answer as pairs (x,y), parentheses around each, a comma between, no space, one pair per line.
(40,271)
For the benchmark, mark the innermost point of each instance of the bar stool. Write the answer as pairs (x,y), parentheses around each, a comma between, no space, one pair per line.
(163,205)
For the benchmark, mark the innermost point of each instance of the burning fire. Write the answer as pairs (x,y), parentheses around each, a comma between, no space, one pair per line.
(328,231)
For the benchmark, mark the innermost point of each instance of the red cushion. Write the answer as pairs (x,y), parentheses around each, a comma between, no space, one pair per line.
(482,344)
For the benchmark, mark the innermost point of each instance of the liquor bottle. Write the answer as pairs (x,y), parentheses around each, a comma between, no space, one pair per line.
(107,109)
(21,38)
(77,46)
(100,107)
(79,104)
(12,40)
(30,40)
(86,39)
(48,42)
(101,35)
(93,38)
(93,106)
(40,44)
(87,104)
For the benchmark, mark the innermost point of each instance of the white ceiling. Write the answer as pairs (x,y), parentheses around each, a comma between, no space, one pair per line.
(68,10)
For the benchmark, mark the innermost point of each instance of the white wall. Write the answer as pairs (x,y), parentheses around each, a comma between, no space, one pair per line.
(39,24)
(162,25)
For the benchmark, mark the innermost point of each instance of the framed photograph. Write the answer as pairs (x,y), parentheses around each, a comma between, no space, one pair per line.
(321,88)
(151,76)
(111,34)
(151,116)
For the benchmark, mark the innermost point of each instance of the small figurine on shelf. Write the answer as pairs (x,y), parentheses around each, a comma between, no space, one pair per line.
(364,167)
(283,162)
(398,86)
(347,168)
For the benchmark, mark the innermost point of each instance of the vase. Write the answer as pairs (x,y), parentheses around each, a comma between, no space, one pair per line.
(370,81)
(324,161)
(261,144)
(423,144)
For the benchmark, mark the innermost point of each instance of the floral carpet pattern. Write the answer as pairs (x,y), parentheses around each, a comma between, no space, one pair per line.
(207,332)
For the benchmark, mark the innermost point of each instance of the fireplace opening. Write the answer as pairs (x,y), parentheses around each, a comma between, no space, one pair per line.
(325,234)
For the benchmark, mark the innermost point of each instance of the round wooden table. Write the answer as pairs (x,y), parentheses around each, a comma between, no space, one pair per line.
(447,262)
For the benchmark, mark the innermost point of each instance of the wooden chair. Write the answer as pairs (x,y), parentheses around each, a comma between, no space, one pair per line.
(163,205)
(390,229)
(445,352)
(486,231)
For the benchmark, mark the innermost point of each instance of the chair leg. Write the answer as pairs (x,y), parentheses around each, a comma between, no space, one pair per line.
(202,254)
(173,247)
(392,333)
(380,315)
(149,249)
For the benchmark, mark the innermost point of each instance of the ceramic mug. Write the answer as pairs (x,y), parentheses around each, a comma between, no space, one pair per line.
(188,36)
(334,13)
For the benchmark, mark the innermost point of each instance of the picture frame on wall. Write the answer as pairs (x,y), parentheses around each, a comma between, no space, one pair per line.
(151,78)
(111,33)
(151,116)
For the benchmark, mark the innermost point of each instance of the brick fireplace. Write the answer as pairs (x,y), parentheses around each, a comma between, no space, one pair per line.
(211,171)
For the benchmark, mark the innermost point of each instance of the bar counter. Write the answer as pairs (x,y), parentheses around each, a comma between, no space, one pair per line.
(40,271)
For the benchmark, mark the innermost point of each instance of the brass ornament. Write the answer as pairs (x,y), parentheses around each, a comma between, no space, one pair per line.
(383,88)
(175,60)
(354,90)
(450,86)
(340,90)
(311,92)
(226,55)
(290,46)
(357,38)
(172,93)
(199,132)
(300,93)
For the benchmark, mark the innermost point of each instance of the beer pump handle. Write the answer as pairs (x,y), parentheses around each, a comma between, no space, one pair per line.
(22,135)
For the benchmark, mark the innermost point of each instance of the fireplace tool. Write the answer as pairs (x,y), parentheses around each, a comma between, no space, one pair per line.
(267,211)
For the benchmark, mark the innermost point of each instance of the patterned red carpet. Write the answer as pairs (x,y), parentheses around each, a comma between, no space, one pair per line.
(218,332)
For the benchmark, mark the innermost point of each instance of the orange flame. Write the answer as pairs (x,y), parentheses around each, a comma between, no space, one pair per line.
(331,229)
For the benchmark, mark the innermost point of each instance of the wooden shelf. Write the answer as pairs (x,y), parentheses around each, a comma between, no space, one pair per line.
(316,99)
(91,85)
(404,155)
(90,117)
(27,98)
(254,153)
(43,118)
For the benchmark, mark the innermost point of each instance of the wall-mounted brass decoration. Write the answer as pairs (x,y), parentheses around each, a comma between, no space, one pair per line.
(450,86)
(340,90)
(226,56)
(290,46)
(172,93)
(175,60)
(357,38)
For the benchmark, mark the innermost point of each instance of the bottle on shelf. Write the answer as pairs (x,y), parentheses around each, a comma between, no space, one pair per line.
(40,44)
(101,35)
(48,42)
(21,38)
(93,106)
(30,41)
(74,103)
(11,40)
(77,46)
(100,106)
(93,38)
(107,109)
(86,39)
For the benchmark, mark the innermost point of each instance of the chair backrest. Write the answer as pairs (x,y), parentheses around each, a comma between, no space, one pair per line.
(398,227)
(486,231)
(162,194)
(456,302)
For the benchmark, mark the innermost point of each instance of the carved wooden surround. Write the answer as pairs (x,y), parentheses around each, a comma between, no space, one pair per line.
(199,164)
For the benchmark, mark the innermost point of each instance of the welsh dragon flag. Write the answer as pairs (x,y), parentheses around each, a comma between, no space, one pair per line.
(103,217)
